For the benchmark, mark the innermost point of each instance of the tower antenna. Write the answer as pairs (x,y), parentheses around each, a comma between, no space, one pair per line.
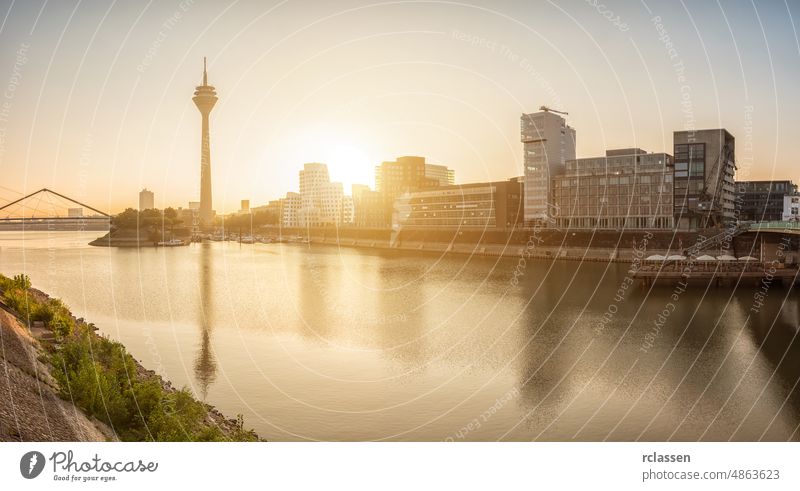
(205,75)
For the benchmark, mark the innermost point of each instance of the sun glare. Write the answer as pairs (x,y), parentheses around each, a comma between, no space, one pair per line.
(350,164)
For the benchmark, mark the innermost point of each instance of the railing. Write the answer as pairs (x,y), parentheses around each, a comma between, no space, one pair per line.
(775,226)
(716,239)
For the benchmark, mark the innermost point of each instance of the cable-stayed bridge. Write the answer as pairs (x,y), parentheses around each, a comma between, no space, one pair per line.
(51,209)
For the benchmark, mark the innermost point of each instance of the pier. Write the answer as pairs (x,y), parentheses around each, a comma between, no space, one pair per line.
(744,273)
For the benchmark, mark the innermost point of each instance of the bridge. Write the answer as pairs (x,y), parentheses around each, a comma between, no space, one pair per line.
(776,227)
(15,211)
(791,228)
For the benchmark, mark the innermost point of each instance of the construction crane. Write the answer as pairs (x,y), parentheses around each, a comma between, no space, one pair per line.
(549,110)
(708,203)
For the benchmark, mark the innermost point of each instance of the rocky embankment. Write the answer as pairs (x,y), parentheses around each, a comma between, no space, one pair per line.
(34,406)
(30,407)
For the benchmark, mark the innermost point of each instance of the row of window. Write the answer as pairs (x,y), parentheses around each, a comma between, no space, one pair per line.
(629,222)
(618,210)
(613,181)
(438,222)
(614,199)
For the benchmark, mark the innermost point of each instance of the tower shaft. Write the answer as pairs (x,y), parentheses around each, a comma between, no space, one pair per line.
(206,210)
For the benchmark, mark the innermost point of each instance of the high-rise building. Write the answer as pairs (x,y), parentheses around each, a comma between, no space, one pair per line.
(442,173)
(627,189)
(205,96)
(147,200)
(321,199)
(348,212)
(290,212)
(762,200)
(368,208)
(75,212)
(705,167)
(548,142)
(406,175)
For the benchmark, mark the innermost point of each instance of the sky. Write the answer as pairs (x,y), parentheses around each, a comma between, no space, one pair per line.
(96,95)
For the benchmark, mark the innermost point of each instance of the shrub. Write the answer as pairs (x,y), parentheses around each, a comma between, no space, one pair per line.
(21,281)
(100,377)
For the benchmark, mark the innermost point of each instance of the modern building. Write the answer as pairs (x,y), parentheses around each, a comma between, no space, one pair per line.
(147,199)
(75,212)
(408,174)
(626,189)
(485,205)
(705,168)
(368,208)
(442,173)
(205,96)
(290,211)
(322,200)
(791,208)
(759,201)
(548,142)
(348,213)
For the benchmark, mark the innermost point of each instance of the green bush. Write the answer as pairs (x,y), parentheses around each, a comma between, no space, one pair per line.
(20,301)
(100,377)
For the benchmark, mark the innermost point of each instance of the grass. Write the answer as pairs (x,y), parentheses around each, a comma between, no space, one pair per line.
(102,378)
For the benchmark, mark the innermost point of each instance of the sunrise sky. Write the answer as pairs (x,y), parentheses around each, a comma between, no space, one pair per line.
(96,95)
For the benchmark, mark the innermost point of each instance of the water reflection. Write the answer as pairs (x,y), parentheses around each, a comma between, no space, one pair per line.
(205,366)
(342,344)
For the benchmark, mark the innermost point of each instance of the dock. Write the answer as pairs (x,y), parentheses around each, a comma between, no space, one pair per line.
(723,274)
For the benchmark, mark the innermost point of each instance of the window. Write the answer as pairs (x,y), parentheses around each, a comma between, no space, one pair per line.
(698,169)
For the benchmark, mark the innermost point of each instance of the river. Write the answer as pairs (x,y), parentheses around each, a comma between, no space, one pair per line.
(326,343)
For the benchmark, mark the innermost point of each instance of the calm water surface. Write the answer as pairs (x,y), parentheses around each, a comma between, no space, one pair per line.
(324,343)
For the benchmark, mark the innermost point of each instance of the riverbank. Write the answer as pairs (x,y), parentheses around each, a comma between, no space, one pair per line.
(552,244)
(615,246)
(136,238)
(64,382)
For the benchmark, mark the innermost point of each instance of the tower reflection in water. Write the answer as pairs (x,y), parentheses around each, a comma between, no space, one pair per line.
(205,367)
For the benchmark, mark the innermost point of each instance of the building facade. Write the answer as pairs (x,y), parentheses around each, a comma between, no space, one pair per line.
(791,208)
(290,211)
(406,175)
(489,205)
(442,173)
(147,200)
(758,201)
(625,189)
(321,199)
(705,168)
(548,143)
(368,208)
